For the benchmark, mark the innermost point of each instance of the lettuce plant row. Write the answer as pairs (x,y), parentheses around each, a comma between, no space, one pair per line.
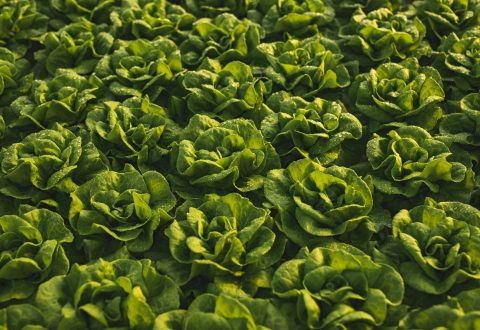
(239,164)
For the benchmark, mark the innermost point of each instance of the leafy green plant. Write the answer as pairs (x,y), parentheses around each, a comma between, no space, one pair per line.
(315,130)
(213,8)
(230,165)
(298,18)
(15,77)
(408,160)
(224,234)
(141,68)
(305,67)
(31,251)
(346,8)
(399,92)
(461,312)
(462,127)
(52,160)
(78,46)
(226,92)
(436,245)
(315,203)
(444,17)
(20,21)
(22,316)
(225,38)
(336,287)
(120,208)
(457,61)
(135,130)
(103,294)
(381,35)
(150,19)
(221,312)
(227,156)
(61,100)
(75,10)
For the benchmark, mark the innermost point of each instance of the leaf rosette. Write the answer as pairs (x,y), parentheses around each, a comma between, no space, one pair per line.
(399,92)
(226,92)
(220,157)
(64,99)
(149,19)
(15,76)
(52,160)
(315,203)
(337,287)
(20,20)
(141,68)
(303,129)
(304,67)
(15,80)
(458,61)
(31,251)
(298,18)
(437,245)
(460,312)
(225,38)
(135,130)
(114,209)
(408,160)
(444,17)
(463,127)
(119,294)
(224,235)
(78,46)
(381,35)
(223,312)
